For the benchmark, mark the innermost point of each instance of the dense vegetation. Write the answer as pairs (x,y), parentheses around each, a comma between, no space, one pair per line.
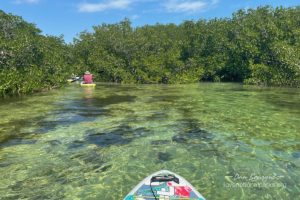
(30,61)
(255,46)
(259,46)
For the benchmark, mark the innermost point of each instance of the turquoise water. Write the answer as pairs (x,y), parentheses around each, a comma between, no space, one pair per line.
(230,141)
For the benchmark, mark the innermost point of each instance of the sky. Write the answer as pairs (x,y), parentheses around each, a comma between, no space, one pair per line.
(70,17)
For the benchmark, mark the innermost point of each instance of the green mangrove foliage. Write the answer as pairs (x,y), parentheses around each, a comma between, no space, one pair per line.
(259,46)
(30,61)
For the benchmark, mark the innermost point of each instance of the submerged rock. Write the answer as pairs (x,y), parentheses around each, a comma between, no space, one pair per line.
(196,135)
(296,154)
(191,133)
(164,156)
(76,144)
(180,139)
(107,139)
(290,165)
(54,142)
(160,142)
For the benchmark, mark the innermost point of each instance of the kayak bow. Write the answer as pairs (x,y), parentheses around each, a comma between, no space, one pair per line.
(164,185)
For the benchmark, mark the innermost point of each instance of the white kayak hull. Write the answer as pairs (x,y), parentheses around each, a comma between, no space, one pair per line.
(168,190)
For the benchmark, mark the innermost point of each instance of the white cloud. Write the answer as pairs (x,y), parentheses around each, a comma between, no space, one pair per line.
(101,6)
(214,2)
(177,6)
(26,1)
(190,6)
(185,6)
(134,17)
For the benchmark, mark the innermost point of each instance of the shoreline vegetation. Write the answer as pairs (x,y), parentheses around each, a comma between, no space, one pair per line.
(255,46)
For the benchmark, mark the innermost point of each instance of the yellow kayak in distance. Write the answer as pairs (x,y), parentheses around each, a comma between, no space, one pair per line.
(88,84)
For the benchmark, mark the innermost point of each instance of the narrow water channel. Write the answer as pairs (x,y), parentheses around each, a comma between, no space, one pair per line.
(230,141)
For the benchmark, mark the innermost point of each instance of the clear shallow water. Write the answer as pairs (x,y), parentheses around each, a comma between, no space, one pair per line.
(230,141)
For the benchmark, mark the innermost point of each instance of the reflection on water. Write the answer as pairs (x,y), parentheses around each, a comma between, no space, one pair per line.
(230,141)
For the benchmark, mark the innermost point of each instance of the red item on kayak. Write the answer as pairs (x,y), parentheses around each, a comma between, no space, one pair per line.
(183,191)
(88,78)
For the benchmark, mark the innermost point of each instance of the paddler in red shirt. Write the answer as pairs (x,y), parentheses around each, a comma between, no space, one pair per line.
(87,78)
